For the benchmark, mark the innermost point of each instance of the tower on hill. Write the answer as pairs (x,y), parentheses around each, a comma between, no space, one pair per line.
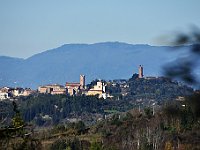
(140,71)
(82,81)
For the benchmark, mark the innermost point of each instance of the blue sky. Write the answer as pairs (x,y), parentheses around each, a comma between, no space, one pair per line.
(29,27)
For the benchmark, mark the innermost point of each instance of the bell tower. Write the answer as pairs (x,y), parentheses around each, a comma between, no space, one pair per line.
(140,71)
(82,81)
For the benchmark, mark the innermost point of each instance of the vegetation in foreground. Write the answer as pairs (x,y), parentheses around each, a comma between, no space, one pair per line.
(173,126)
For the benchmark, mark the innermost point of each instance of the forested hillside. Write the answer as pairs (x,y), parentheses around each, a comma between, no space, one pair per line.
(142,112)
(159,88)
(174,125)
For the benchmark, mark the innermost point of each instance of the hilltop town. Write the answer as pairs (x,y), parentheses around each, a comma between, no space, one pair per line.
(71,89)
(103,110)
(101,88)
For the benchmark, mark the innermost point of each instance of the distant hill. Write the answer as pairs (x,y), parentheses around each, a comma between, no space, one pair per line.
(158,89)
(109,60)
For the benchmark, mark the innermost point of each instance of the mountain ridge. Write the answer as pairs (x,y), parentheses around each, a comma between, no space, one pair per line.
(105,60)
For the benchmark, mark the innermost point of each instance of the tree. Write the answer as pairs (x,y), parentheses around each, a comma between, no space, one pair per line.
(80,127)
(15,137)
(96,146)
(148,112)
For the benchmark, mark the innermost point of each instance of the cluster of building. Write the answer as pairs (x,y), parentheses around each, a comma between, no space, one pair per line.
(52,89)
(79,88)
(8,92)
(76,88)
(69,88)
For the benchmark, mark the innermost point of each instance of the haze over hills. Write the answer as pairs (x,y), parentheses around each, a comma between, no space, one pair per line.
(108,60)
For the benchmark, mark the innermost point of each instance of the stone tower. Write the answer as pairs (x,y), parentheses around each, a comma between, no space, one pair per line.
(82,81)
(140,71)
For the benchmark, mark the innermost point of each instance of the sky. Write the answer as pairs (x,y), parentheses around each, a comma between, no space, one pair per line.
(28,27)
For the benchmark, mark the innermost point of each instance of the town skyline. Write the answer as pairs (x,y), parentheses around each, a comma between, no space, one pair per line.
(70,88)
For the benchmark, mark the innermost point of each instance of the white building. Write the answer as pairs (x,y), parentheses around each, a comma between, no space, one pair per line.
(4,95)
(98,89)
